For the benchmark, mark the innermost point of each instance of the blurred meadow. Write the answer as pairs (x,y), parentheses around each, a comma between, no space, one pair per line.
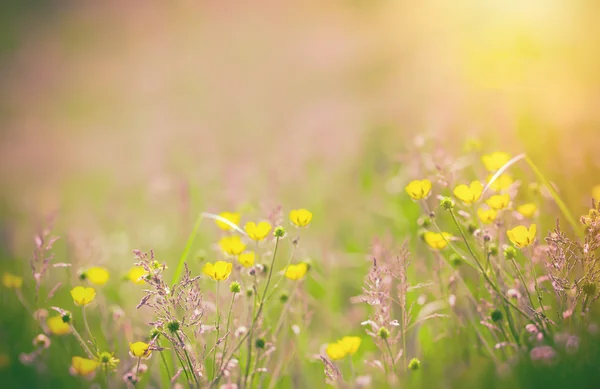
(121,122)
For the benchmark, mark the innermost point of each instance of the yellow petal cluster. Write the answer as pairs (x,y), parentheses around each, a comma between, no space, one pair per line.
(219,271)
(233,217)
(296,272)
(83,366)
(437,241)
(498,202)
(418,189)
(504,181)
(487,216)
(140,349)
(257,231)
(300,217)
(11,281)
(97,275)
(136,275)
(528,210)
(469,194)
(246,259)
(232,245)
(348,345)
(57,326)
(83,296)
(495,161)
(521,236)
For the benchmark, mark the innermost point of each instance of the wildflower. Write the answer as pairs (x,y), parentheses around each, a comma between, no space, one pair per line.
(257,231)
(220,271)
(469,194)
(498,202)
(447,203)
(246,259)
(96,275)
(414,364)
(139,350)
(527,210)
(11,281)
(418,189)
(335,351)
(235,287)
(504,181)
(232,245)
(83,366)
(521,236)
(108,360)
(510,253)
(383,333)
(58,326)
(350,344)
(487,216)
(495,161)
(296,272)
(136,275)
(233,217)
(279,232)
(300,217)
(83,296)
(435,240)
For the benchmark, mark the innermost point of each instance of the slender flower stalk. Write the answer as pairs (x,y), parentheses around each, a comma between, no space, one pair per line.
(218,320)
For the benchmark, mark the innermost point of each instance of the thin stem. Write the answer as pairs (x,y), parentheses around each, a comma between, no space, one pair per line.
(189,361)
(227,332)
(137,368)
(81,342)
(391,356)
(253,373)
(164,360)
(218,319)
(537,286)
(107,378)
(87,328)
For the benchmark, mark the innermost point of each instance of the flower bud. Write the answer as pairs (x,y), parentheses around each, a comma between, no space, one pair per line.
(284,297)
(510,253)
(424,221)
(383,333)
(493,249)
(249,292)
(447,203)
(173,326)
(235,287)
(456,260)
(260,343)
(414,364)
(279,232)
(496,315)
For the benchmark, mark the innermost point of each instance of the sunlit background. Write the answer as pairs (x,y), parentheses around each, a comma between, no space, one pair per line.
(130,117)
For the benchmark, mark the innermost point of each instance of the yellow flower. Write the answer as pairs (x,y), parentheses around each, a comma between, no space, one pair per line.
(418,189)
(232,245)
(140,349)
(296,272)
(495,161)
(83,366)
(596,192)
(257,231)
(97,275)
(108,360)
(350,344)
(233,217)
(246,259)
(136,275)
(487,216)
(469,194)
(521,236)
(57,326)
(11,281)
(83,296)
(504,181)
(300,217)
(527,210)
(335,351)
(498,202)
(220,271)
(436,240)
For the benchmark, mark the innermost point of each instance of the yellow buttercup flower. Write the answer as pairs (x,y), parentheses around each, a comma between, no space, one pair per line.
(436,240)
(257,231)
(11,281)
(300,217)
(418,189)
(335,351)
(596,192)
(504,181)
(296,272)
(57,326)
(97,275)
(220,271)
(83,296)
(246,259)
(232,245)
(487,216)
(140,349)
(136,275)
(521,236)
(495,161)
(233,217)
(469,194)
(83,366)
(498,202)
(350,344)
(108,360)
(527,210)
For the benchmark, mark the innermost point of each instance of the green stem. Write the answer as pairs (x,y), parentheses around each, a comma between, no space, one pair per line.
(87,328)
(227,332)
(165,365)
(81,342)
(189,361)
(391,356)
(218,319)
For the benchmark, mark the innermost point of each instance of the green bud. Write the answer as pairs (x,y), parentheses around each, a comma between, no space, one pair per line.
(472,228)
(284,297)
(279,232)
(66,318)
(154,333)
(496,315)
(383,333)
(493,249)
(260,343)
(456,260)
(173,326)
(510,253)
(235,287)
(424,221)
(249,292)
(414,364)
(447,203)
